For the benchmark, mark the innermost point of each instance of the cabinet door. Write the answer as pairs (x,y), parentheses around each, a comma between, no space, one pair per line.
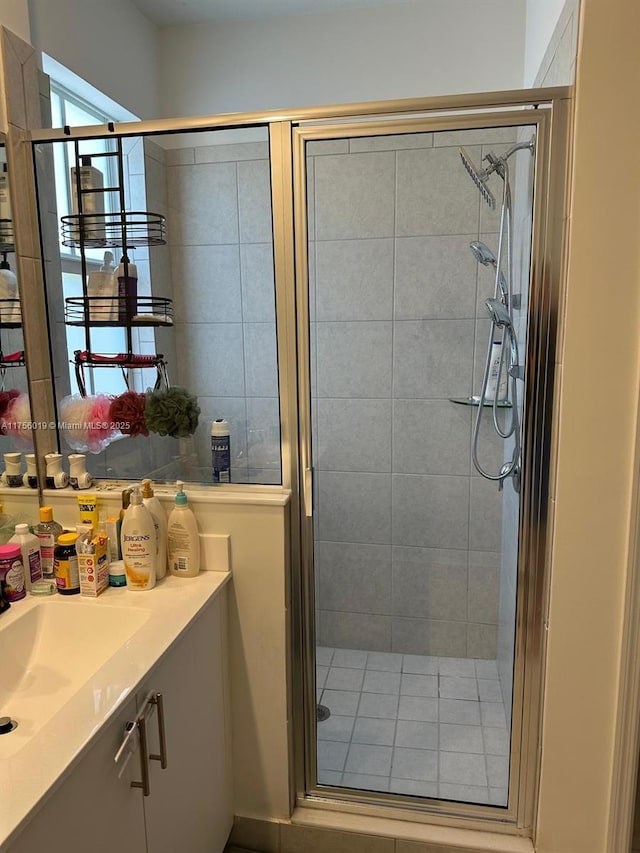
(92,809)
(189,807)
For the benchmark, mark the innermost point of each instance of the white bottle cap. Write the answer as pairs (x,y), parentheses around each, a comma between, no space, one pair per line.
(220,427)
(22,530)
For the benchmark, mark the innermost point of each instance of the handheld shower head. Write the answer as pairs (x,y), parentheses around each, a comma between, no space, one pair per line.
(483,254)
(500,317)
(499,314)
(479,177)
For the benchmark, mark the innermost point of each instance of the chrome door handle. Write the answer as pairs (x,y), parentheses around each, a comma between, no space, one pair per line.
(141,723)
(156,699)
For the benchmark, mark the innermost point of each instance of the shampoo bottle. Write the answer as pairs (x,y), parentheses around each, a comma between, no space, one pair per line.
(160,520)
(138,544)
(127,276)
(183,542)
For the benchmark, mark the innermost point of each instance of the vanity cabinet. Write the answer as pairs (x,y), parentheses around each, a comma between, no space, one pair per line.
(189,803)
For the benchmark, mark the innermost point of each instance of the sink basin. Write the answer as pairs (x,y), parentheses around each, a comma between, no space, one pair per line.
(53,650)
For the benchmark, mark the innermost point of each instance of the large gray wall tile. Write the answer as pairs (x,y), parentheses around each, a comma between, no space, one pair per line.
(206,284)
(435,278)
(354,279)
(203,204)
(429,584)
(212,359)
(354,577)
(261,359)
(430,437)
(353,435)
(354,195)
(354,507)
(430,512)
(429,637)
(485,516)
(254,201)
(435,194)
(354,359)
(355,631)
(263,432)
(258,288)
(432,358)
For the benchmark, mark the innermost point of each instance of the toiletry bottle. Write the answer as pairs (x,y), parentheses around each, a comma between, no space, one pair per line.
(91,181)
(47,532)
(220,451)
(30,548)
(12,475)
(160,520)
(56,477)
(127,276)
(88,509)
(5,196)
(9,299)
(183,542)
(102,290)
(12,576)
(79,477)
(65,565)
(30,477)
(497,381)
(138,543)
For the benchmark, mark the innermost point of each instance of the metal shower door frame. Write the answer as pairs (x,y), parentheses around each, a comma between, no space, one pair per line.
(549,111)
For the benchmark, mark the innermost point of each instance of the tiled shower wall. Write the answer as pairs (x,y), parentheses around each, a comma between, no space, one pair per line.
(220,243)
(408,535)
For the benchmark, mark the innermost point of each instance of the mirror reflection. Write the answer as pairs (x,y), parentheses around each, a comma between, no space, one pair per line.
(17,462)
(160,289)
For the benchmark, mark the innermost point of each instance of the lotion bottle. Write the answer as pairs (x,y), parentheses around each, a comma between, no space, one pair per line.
(183,542)
(160,520)
(138,543)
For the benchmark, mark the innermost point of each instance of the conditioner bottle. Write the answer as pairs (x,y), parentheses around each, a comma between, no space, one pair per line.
(183,542)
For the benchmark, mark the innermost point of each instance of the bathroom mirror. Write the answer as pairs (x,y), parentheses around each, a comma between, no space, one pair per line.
(160,289)
(16,434)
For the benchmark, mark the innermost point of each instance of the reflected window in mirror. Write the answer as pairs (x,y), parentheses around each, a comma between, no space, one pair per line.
(183,331)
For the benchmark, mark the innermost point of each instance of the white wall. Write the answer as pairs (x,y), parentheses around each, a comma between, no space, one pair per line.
(111,45)
(414,49)
(596,464)
(542,17)
(14,14)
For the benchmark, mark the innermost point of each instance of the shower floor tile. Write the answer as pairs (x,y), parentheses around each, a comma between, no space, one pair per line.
(416,725)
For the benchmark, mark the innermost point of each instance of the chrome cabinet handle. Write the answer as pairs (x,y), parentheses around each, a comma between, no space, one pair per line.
(156,699)
(144,760)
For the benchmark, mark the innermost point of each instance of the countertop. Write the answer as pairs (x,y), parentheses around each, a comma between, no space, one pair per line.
(26,776)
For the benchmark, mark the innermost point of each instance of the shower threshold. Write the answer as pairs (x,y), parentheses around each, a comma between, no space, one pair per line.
(412,724)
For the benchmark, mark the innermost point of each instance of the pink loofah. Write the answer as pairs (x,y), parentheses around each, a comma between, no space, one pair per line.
(16,422)
(85,422)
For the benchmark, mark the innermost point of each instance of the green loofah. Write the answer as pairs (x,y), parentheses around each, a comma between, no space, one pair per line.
(173,412)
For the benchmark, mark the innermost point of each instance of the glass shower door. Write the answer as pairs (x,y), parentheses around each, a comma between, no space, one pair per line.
(418,274)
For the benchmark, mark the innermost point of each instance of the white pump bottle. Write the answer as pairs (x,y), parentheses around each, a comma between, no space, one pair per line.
(183,542)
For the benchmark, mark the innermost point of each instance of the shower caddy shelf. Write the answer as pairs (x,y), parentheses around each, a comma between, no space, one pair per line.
(124,229)
(9,307)
(475,401)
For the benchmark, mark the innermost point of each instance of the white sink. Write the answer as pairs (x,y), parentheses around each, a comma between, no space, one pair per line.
(49,652)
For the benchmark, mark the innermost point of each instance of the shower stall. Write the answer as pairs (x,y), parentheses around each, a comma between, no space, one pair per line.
(421,326)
